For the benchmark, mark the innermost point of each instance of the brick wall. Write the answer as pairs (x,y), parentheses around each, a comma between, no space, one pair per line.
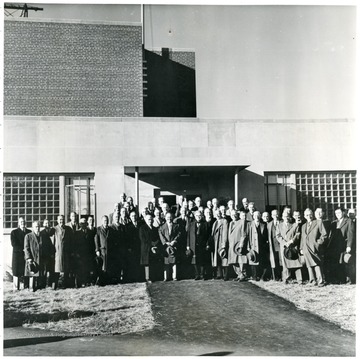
(72,69)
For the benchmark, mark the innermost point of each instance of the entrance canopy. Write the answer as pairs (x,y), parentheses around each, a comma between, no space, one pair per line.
(204,181)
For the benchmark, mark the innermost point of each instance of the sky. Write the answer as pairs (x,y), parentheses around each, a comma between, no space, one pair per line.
(252,62)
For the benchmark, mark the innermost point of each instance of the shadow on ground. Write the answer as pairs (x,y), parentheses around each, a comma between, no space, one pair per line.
(12,343)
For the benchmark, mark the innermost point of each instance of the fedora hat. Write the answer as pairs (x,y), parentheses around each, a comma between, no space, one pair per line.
(222,253)
(240,249)
(291,253)
(170,250)
(33,267)
(252,256)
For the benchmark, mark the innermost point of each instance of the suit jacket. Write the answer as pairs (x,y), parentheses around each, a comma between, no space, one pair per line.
(73,229)
(17,241)
(63,242)
(198,240)
(166,238)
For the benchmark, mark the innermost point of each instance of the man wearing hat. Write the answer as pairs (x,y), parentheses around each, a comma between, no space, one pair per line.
(313,236)
(170,234)
(37,248)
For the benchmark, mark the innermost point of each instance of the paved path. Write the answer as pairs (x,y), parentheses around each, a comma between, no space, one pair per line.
(204,318)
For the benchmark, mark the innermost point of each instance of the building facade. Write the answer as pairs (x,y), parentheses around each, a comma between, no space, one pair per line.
(78,131)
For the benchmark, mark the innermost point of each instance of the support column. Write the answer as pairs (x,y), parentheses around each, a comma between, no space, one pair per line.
(236,187)
(62,196)
(137,186)
(88,196)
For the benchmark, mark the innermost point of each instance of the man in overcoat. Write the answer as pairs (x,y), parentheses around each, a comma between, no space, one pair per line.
(84,254)
(37,249)
(274,245)
(133,269)
(74,226)
(198,243)
(18,261)
(105,247)
(219,230)
(342,241)
(117,256)
(170,235)
(313,237)
(238,244)
(289,234)
(258,242)
(49,265)
(150,248)
(63,243)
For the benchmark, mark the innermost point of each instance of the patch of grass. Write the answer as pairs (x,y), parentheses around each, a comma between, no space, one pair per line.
(113,309)
(335,303)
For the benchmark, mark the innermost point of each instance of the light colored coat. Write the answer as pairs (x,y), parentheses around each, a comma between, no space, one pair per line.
(312,241)
(285,233)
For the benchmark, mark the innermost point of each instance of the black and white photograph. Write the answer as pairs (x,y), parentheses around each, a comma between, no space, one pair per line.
(179,179)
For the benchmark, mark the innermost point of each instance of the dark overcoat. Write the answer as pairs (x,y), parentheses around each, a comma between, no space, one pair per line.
(149,237)
(84,251)
(17,241)
(312,242)
(105,243)
(49,260)
(341,237)
(198,239)
(63,238)
(258,242)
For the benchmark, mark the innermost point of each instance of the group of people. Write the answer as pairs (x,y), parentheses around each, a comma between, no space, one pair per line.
(215,241)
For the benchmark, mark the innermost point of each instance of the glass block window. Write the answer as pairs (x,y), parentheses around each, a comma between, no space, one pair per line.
(31,197)
(327,190)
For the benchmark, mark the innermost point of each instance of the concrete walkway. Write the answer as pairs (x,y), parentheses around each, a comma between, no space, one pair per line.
(203,318)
